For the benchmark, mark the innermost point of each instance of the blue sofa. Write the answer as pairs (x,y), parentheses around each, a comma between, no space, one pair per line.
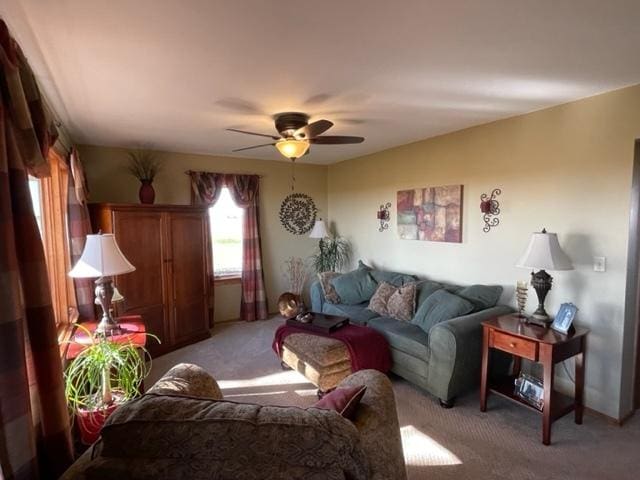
(436,351)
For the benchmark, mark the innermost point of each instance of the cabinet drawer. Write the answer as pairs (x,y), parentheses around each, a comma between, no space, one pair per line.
(517,346)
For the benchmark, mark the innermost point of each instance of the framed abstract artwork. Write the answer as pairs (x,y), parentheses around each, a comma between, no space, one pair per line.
(433,214)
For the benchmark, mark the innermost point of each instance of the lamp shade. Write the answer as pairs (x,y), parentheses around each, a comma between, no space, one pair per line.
(101,257)
(544,253)
(292,148)
(319,230)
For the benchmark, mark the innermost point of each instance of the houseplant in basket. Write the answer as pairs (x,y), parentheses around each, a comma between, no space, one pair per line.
(144,165)
(104,375)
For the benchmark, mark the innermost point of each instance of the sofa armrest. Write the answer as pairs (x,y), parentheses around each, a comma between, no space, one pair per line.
(317,297)
(188,380)
(455,348)
(377,421)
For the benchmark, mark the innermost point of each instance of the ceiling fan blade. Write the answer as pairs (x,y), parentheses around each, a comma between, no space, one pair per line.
(335,140)
(313,129)
(255,146)
(252,133)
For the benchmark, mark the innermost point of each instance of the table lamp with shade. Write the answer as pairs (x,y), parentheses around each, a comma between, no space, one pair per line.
(102,259)
(319,230)
(543,253)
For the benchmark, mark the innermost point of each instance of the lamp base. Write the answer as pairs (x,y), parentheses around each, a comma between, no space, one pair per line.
(541,282)
(104,294)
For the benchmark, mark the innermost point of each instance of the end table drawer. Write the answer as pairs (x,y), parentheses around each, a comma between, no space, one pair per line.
(516,345)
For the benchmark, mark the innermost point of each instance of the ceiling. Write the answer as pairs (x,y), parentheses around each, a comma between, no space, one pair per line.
(175,73)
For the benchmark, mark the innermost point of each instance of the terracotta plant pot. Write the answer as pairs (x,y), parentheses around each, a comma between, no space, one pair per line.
(147,194)
(90,423)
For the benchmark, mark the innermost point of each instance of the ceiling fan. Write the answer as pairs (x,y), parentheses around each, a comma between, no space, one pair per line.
(297,134)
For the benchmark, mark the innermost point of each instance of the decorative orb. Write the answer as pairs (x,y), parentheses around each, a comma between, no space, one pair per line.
(289,305)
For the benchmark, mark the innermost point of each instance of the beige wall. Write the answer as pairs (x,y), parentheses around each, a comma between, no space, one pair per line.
(110,182)
(567,168)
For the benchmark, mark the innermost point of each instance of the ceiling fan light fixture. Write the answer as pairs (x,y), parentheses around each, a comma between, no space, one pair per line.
(292,148)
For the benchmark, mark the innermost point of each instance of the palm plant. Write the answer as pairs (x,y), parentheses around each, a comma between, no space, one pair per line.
(332,255)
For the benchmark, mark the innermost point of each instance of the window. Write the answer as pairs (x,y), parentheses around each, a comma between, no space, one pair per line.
(49,199)
(225,219)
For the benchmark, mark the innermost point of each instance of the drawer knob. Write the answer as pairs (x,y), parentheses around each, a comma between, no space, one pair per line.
(512,345)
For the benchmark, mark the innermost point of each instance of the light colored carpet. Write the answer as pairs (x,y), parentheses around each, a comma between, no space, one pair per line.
(460,443)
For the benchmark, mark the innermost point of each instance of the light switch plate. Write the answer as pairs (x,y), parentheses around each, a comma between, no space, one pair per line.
(599,264)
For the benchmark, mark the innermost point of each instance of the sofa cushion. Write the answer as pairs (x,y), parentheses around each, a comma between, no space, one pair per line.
(404,336)
(402,302)
(330,294)
(396,279)
(354,287)
(424,290)
(358,314)
(378,302)
(439,307)
(481,296)
(303,442)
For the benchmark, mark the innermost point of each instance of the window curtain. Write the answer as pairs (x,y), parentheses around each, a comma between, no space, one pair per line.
(244,190)
(79,226)
(35,440)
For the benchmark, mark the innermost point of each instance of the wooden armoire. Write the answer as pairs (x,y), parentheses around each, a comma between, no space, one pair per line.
(169,246)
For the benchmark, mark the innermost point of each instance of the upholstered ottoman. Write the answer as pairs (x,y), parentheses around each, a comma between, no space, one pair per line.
(324,361)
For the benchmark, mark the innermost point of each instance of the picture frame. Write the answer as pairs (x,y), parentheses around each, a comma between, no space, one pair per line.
(531,390)
(564,318)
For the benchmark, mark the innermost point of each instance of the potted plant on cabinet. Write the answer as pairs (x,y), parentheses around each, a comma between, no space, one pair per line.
(105,374)
(144,165)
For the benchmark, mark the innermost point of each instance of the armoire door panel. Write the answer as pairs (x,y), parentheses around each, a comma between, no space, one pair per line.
(189,275)
(139,236)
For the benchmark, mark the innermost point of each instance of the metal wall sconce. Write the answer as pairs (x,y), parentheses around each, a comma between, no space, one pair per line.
(383,216)
(490,208)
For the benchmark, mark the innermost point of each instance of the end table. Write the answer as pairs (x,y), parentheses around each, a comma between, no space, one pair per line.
(133,330)
(509,333)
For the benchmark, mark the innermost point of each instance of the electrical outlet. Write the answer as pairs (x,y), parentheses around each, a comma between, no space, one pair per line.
(599,264)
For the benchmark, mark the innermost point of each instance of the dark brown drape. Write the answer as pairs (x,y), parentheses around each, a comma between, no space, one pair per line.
(245,191)
(79,226)
(35,440)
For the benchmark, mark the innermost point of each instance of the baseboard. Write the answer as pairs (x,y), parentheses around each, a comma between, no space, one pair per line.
(612,420)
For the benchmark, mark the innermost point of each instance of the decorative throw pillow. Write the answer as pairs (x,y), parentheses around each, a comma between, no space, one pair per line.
(482,296)
(343,400)
(378,302)
(439,307)
(354,287)
(330,294)
(402,302)
(424,290)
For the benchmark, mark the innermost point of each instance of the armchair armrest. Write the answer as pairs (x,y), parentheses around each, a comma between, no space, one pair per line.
(377,421)
(317,297)
(455,352)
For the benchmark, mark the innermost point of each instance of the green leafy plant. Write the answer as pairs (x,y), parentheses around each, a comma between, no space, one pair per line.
(143,164)
(104,373)
(332,255)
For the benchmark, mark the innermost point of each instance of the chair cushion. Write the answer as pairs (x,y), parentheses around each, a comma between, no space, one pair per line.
(358,314)
(354,287)
(343,400)
(403,336)
(439,307)
(186,430)
(396,279)
(481,296)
